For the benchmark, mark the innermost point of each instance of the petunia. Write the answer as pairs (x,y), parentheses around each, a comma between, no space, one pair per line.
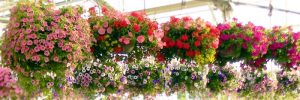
(141,39)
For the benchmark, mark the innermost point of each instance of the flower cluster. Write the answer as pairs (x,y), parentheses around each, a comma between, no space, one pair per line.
(41,40)
(185,77)
(294,51)
(222,79)
(145,78)
(8,86)
(280,44)
(99,77)
(288,82)
(115,32)
(186,38)
(238,41)
(256,82)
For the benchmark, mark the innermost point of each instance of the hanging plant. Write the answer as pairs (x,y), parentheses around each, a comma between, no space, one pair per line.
(44,45)
(257,84)
(242,42)
(99,77)
(145,78)
(123,33)
(185,78)
(224,79)
(288,83)
(189,39)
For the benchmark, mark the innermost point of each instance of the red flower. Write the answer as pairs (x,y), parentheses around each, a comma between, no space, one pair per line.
(190,53)
(182,61)
(215,44)
(136,27)
(118,49)
(184,37)
(174,19)
(92,49)
(150,31)
(186,46)
(166,39)
(160,57)
(101,37)
(197,43)
(92,11)
(124,22)
(171,43)
(138,15)
(179,44)
(104,9)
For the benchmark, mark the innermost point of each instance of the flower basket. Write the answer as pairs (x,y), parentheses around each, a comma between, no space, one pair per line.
(123,33)
(44,45)
(189,39)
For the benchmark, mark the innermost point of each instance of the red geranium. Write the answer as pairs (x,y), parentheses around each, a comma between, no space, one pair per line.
(179,44)
(101,37)
(136,27)
(171,43)
(197,43)
(186,46)
(184,37)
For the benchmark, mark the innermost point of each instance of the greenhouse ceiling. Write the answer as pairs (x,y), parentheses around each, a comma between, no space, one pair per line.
(262,12)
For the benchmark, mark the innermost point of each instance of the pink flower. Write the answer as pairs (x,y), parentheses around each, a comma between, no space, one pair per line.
(161,44)
(36,49)
(150,38)
(130,34)
(109,30)
(141,39)
(101,31)
(105,24)
(126,41)
(35,58)
(46,53)
(29,42)
(55,58)
(46,59)
(69,57)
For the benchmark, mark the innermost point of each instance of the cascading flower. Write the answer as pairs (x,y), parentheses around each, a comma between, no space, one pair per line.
(288,82)
(8,85)
(41,40)
(242,42)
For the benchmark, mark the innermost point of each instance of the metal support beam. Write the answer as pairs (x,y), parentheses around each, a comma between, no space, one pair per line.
(174,7)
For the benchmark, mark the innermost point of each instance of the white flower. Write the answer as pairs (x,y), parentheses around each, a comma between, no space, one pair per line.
(135,77)
(88,69)
(144,81)
(98,60)
(95,63)
(102,74)
(196,85)
(68,64)
(176,73)
(148,77)
(112,69)
(199,73)
(83,70)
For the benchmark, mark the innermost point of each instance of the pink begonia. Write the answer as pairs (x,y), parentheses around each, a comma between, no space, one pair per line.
(141,39)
